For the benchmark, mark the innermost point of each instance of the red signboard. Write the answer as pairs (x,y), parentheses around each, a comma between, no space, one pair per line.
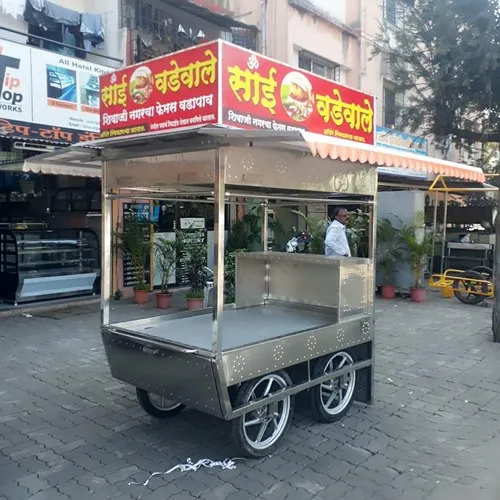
(168,93)
(184,89)
(262,93)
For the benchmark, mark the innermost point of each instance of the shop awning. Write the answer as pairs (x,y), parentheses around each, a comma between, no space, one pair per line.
(75,161)
(85,161)
(382,157)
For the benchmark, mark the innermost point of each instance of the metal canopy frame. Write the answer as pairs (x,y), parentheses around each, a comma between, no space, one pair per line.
(219,142)
(439,185)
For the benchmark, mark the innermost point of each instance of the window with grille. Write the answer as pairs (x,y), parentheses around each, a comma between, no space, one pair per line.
(394,11)
(319,66)
(393,105)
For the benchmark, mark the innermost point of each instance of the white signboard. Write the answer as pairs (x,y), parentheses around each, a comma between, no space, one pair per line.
(48,89)
(69,91)
(15,81)
(192,223)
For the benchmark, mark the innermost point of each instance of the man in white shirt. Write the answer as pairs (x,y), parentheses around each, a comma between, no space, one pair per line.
(336,239)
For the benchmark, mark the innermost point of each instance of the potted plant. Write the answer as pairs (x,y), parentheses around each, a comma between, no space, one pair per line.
(133,241)
(357,232)
(418,244)
(388,254)
(167,252)
(197,276)
(317,228)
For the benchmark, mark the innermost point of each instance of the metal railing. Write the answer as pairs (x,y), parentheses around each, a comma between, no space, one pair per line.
(61,44)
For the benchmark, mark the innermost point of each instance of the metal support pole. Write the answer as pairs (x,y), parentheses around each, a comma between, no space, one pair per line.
(434,232)
(372,250)
(496,277)
(106,255)
(265,224)
(263,26)
(219,220)
(445,220)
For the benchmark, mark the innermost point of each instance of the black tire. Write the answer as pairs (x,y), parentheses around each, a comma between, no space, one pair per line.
(487,272)
(249,391)
(316,394)
(155,410)
(469,297)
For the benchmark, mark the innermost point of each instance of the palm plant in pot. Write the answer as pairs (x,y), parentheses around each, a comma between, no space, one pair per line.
(388,254)
(197,276)
(133,241)
(418,244)
(167,252)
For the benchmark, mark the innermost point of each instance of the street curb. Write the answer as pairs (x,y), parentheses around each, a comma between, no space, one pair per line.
(37,308)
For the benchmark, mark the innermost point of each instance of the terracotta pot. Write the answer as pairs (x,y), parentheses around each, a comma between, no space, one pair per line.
(194,304)
(141,296)
(163,300)
(418,294)
(388,291)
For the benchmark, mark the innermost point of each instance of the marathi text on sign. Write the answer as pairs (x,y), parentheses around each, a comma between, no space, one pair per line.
(190,75)
(338,112)
(253,84)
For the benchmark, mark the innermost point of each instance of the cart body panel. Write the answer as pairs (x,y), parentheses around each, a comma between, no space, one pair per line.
(184,377)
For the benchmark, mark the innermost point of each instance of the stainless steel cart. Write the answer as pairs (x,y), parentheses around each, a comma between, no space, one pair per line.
(300,322)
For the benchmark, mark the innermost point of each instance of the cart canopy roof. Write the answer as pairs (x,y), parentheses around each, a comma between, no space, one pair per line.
(85,158)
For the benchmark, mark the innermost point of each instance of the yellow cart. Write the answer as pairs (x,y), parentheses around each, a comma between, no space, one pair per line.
(470,287)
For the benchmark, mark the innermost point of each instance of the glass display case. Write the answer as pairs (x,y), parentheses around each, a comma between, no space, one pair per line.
(41,263)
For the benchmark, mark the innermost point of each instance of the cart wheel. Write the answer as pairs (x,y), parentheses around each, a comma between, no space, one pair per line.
(258,432)
(464,290)
(158,406)
(331,400)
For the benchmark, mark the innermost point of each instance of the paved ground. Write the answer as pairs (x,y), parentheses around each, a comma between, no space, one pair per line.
(68,430)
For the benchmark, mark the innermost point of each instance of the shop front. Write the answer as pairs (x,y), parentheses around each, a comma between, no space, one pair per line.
(49,214)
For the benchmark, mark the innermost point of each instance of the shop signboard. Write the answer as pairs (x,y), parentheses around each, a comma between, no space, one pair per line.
(195,235)
(173,92)
(400,141)
(220,83)
(48,96)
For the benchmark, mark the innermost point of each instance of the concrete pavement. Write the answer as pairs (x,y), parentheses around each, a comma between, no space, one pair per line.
(68,430)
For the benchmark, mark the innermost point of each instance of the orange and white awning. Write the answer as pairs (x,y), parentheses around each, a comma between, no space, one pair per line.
(334,148)
(80,160)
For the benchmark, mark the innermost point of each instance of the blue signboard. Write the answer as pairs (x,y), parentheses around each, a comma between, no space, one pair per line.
(400,141)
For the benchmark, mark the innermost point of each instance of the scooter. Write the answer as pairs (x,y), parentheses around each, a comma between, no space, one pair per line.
(299,243)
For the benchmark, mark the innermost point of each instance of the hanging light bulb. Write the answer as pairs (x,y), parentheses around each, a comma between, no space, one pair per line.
(200,34)
(181,29)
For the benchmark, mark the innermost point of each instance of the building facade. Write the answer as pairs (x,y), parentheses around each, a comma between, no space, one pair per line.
(51,55)
(335,39)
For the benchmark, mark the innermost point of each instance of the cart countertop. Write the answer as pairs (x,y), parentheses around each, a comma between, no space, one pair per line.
(240,327)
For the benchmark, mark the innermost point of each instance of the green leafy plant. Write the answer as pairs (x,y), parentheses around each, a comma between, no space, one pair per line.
(388,246)
(230,275)
(195,294)
(246,233)
(133,241)
(418,246)
(197,271)
(358,223)
(167,252)
(317,228)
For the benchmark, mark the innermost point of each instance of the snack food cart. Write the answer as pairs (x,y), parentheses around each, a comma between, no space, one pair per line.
(301,322)
(222,125)
(217,123)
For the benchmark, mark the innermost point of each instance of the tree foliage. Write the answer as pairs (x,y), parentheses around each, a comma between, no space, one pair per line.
(445,55)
